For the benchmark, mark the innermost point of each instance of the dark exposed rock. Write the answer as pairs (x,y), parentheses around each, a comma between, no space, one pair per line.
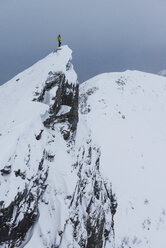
(49,157)
(18,173)
(14,220)
(68,66)
(6,170)
(66,94)
(65,133)
(121,81)
(38,137)
(100,204)
(10,232)
(84,107)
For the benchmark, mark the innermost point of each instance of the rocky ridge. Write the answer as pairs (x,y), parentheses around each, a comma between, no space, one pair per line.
(90,204)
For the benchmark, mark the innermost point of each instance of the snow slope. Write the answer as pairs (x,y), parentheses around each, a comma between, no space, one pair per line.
(20,116)
(126,113)
(87,176)
(28,148)
(162,73)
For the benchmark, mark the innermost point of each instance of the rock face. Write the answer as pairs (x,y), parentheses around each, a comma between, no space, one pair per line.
(66,96)
(22,213)
(93,203)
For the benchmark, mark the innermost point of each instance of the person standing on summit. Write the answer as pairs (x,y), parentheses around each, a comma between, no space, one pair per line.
(59,40)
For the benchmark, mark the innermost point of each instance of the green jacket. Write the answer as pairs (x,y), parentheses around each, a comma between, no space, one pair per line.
(59,38)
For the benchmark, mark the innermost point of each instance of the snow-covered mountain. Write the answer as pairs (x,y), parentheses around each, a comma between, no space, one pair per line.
(82,166)
(162,73)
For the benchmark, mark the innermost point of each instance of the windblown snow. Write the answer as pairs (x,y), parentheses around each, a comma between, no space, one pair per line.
(98,184)
(162,73)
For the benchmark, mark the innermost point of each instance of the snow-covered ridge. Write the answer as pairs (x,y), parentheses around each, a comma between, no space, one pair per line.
(16,95)
(162,73)
(29,104)
(126,113)
(82,176)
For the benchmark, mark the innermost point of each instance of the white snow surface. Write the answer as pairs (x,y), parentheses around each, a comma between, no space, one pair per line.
(64,110)
(125,114)
(162,73)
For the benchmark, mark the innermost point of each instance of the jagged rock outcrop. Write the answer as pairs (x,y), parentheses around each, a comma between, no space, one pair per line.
(93,204)
(66,98)
(22,213)
(31,176)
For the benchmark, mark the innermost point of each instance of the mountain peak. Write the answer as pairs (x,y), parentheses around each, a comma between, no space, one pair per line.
(72,158)
(36,105)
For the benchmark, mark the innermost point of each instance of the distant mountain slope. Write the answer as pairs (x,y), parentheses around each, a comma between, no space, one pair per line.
(126,113)
(162,73)
(82,166)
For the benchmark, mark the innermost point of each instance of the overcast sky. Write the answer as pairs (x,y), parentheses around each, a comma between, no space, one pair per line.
(105,35)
